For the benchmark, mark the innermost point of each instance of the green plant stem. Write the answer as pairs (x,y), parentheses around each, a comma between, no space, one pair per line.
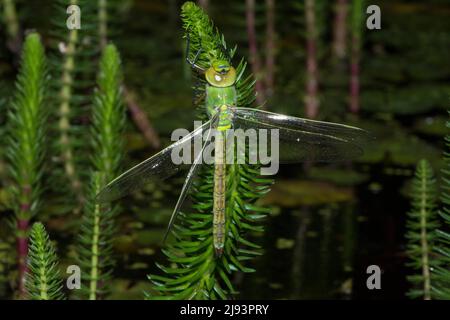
(270,47)
(98,222)
(65,110)
(421,231)
(424,241)
(441,287)
(340,29)
(356,38)
(26,144)
(253,48)
(138,115)
(94,244)
(12,25)
(312,85)
(103,23)
(93,280)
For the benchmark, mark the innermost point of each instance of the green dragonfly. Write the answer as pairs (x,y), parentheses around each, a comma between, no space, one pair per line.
(299,140)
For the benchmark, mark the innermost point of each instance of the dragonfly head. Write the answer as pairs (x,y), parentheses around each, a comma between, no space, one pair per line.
(221,74)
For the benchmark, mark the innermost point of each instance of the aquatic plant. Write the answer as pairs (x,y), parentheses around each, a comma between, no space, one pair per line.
(73,69)
(441,288)
(26,143)
(421,225)
(97,226)
(108,115)
(340,27)
(107,30)
(195,272)
(103,22)
(43,280)
(5,264)
(313,26)
(312,82)
(12,25)
(357,18)
(270,47)
(254,55)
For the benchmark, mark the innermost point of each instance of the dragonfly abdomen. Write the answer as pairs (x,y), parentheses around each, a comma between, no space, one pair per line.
(219,194)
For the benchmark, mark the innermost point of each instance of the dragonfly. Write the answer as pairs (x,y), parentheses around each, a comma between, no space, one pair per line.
(300,140)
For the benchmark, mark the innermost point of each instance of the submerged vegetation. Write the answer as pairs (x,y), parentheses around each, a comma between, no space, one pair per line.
(98,222)
(63,125)
(422,225)
(73,65)
(26,141)
(441,288)
(43,280)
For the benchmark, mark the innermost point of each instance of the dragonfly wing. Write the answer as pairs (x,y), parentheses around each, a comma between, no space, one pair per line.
(189,179)
(156,168)
(303,139)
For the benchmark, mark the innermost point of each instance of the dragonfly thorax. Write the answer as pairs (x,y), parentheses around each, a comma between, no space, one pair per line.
(220,100)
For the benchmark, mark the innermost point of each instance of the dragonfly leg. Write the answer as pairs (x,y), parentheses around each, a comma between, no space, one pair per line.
(192,63)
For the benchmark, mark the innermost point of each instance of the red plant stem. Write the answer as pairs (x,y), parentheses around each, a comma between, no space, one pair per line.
(311,98)
(22,252)
(253,48)
(141,120)
(23,219)
(270,46)
(340,29)
(354,76)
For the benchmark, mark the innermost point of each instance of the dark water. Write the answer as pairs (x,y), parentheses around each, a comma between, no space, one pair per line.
(320,252)
(333,245)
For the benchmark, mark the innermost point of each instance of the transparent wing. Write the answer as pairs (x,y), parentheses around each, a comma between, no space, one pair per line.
(190,178)
(156,168)
(305,140)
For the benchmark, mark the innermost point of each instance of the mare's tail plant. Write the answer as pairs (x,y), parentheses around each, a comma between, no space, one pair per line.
(12,27)
(357,27)
(108,29)
(43,281)
(441,287)
(194,271)
(27,123)
(97,226)
(72,65)
(314,13)
(254,53)
(340,26)
(422,223)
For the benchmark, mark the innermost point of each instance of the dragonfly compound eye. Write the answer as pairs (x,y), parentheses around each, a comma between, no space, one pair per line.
(221,75)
